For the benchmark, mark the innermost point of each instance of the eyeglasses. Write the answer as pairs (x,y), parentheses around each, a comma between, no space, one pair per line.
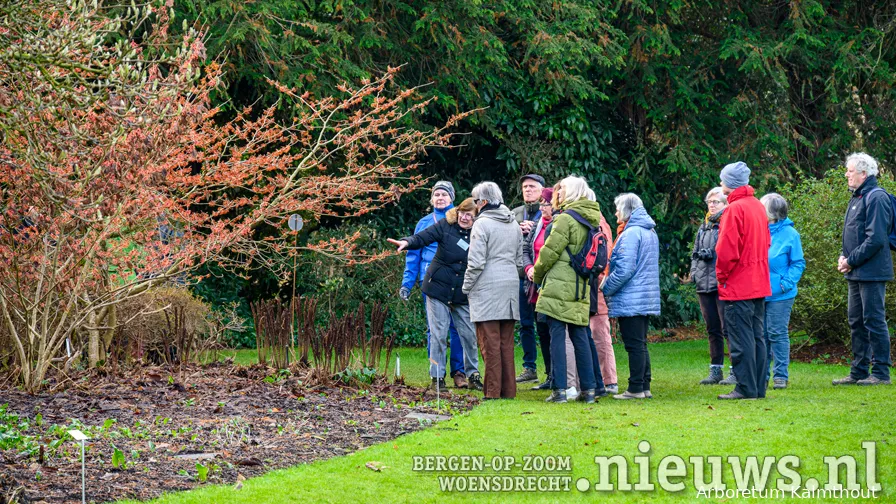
(546,203)
(477,201)
(713,202)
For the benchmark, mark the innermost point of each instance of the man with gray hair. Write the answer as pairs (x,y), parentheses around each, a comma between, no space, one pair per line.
(527,215)
(742,273)
(867,265)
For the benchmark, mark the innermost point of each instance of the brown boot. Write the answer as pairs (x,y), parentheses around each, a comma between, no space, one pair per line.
(460,381)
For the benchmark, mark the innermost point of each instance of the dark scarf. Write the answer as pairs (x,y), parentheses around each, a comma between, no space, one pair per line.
(490,206)
(531,210)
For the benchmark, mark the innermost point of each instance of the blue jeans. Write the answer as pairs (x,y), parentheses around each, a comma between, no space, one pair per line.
(457,350)
(527,330)
(586,355)
(440,316)
(777,339)
(870,335)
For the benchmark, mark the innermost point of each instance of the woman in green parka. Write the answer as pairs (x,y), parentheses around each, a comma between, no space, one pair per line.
(564,298)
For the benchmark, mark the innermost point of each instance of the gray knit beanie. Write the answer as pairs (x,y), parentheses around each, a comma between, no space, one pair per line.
(445,186)
(735,175)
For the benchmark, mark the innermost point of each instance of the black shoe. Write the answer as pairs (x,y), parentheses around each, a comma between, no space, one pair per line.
(441,383)
(527,375)
(475,382)
(586,396)
(557,396)
(545,385)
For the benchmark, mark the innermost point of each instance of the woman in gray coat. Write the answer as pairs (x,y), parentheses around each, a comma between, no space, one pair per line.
(491,283)
(703,274)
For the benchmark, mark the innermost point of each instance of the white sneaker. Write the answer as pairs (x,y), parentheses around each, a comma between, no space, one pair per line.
(571,394)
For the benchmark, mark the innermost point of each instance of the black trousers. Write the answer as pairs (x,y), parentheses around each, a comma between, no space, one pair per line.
(870,335)
(544,339)
(745,321)
(634,338)
(714,316)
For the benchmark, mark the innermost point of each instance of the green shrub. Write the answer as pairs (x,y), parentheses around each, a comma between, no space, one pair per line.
(817,208)
(342,288)
(680,305)
(227,294)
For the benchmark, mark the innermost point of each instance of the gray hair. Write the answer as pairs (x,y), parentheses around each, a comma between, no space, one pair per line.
(775,207)
(627,203)
(720,192)
(863,163)
(488,191)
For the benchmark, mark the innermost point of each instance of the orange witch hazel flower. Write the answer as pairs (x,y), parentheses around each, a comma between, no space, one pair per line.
(136,182)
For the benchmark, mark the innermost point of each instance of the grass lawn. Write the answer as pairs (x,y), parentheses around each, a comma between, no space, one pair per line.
(810,420)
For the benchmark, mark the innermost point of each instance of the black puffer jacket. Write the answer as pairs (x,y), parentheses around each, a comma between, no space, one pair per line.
(703,257)
(866,229)
(445,275)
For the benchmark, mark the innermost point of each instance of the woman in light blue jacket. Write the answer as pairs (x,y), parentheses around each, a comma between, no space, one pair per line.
(632,288)
(786,265)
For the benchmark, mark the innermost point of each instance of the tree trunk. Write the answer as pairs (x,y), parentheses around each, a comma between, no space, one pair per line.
(93,341)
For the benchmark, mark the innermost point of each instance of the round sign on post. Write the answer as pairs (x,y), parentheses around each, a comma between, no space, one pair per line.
(295,222)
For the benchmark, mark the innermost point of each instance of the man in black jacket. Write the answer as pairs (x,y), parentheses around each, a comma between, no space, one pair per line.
(868,266)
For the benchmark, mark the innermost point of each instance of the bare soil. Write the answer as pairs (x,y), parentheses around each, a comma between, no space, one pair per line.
(234,421)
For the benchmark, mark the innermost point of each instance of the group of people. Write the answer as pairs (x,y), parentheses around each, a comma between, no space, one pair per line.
(483,268)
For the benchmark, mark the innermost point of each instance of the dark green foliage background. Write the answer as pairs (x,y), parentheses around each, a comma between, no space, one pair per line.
(649,97)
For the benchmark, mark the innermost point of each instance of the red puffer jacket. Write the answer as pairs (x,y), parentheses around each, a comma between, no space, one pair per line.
(742,249)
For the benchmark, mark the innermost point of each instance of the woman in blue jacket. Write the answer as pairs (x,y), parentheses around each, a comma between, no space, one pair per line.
(416,263)
(632,288)
(786,265)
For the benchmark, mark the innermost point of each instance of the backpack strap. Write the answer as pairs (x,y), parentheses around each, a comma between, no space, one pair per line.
(578,218)
(583,221)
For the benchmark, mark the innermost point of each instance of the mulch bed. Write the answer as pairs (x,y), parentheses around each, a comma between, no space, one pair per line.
(681,333)
(236,421)
(828,352)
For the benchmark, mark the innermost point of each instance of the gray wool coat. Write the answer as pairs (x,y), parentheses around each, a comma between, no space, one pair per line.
(494,266)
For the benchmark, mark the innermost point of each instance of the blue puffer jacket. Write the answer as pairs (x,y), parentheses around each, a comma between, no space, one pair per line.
(785,260)
(633,287)
(417,261)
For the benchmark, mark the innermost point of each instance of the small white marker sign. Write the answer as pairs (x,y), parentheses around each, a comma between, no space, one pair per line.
(78,435)
(295,222)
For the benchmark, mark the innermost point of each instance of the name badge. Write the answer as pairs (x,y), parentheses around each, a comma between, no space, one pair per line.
(463,244)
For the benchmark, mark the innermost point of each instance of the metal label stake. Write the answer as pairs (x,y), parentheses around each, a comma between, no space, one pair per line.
(438,382)
(295,224)
(80,436)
